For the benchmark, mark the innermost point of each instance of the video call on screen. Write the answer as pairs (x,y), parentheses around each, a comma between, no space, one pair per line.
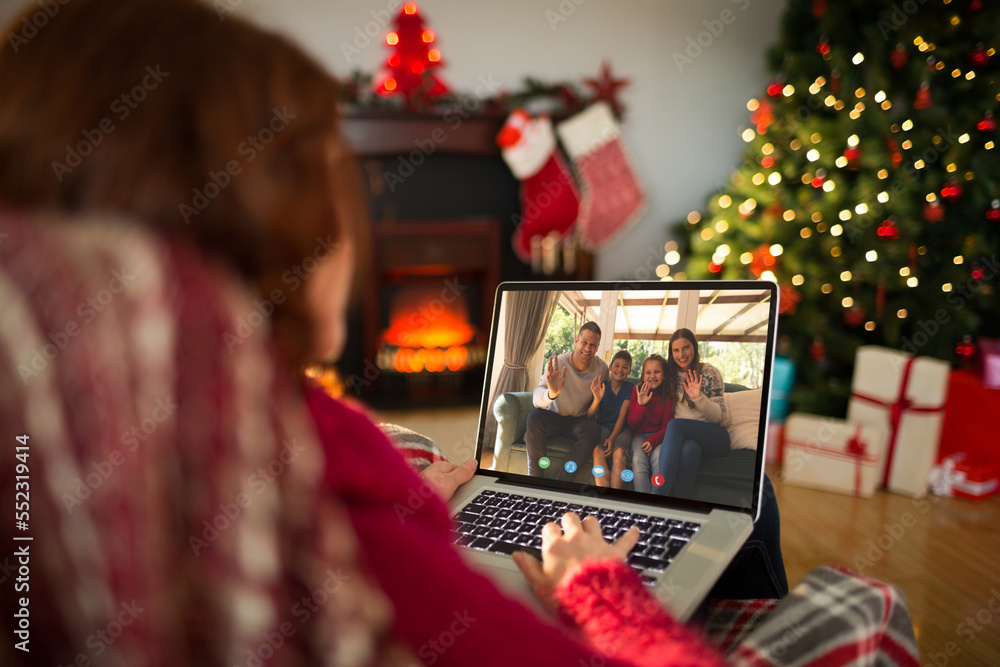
(707,461)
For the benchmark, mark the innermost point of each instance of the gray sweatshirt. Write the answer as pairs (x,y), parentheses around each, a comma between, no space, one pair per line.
(575,397)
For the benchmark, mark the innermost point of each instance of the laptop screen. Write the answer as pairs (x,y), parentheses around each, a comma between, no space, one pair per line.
(648,391)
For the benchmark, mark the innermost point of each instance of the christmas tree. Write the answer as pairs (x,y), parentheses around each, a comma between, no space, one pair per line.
(870,189)
(410,68)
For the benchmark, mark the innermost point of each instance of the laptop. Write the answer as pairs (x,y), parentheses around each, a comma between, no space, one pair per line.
(686,542)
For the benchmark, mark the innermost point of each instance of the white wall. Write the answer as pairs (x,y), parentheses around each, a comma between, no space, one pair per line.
(682,122)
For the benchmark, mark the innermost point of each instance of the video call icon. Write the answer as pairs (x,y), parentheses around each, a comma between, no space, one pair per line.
(544,462)
(598,471)
(658,480)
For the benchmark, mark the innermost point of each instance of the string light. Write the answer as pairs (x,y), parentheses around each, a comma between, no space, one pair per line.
(672,257)
(858,58)
(871,255)
(912,281)
(725,201)
(837,230)
(946,287)
(798,279)
(904,271)
(694,217)
(845,276)
(847,302)
(721,226)
(869,326)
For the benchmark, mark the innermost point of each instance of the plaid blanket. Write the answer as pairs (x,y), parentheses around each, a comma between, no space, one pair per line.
(832,617)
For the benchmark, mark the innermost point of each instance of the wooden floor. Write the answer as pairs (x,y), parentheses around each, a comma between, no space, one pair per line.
(942,553)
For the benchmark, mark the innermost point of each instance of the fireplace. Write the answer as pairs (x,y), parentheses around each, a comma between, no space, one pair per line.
(443,206)
(430,309)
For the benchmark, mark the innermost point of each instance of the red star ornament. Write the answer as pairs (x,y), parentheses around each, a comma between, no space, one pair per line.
(606,87)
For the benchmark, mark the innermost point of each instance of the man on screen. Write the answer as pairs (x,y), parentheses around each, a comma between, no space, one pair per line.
(561,401)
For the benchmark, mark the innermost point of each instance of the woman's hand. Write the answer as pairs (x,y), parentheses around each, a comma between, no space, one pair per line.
(644,393)
(562,551)
(597,388)
(647,447)
(445,477)
(692,384)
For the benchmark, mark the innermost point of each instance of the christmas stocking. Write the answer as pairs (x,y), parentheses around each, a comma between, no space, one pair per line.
(549,198)
(612,197)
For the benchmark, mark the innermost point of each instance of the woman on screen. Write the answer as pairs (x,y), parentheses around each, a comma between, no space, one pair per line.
(697,430)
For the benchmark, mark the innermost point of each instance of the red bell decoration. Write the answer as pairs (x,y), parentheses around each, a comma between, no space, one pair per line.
(993,214)
(823,47)
(852,154)
(854,316)
(888,230)
(923,98)
(966,351)
(898,57)
(933,212)
(951,192)
(988,123)
(979,57)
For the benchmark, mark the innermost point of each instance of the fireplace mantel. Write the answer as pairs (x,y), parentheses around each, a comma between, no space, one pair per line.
(374,134)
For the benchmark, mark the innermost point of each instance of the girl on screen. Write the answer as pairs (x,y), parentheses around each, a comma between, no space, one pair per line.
(697,430)
(650,410)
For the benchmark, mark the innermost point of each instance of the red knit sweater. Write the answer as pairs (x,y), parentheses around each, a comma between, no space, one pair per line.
(450,615)
(650,418)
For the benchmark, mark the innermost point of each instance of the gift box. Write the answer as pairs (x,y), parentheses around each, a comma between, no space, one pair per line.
(970,418)
(989,362)
(964,477)
(832,454)
(905,395)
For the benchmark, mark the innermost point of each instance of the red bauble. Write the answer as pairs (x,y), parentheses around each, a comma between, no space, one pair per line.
(974,6)
(952,191)
(923,98)
(898,57)
(762,116)
(933,212)
(888,230)
(762,260)
(853,154)
(823,47)
(988,123)
(977,273)
(993,215)
(789,299)
(817,350)
(979,57)
(774,90)
(767,162)
(966,351)
(854,316)
(714,268)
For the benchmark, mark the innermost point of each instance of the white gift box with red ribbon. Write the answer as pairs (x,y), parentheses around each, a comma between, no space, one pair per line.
(905,395)
(963,478)
(832,454)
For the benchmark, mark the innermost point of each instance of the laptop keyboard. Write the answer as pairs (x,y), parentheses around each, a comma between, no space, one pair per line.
(503,523)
